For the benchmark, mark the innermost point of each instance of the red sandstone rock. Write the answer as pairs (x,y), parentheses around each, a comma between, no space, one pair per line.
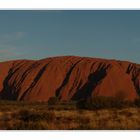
(68,78)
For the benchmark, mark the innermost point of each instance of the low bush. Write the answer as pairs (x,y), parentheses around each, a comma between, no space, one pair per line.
(31,125)
(53,101)
(101,102)
(137,102)
(35,116)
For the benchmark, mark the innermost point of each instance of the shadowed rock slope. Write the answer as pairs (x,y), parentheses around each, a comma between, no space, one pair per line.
(68,77)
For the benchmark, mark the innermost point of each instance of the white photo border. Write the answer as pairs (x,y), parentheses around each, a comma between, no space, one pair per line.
(69,4)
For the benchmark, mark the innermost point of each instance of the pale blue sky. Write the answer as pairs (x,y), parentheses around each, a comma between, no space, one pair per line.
(41,34)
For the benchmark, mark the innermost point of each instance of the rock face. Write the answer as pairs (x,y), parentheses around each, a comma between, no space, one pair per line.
(69,78)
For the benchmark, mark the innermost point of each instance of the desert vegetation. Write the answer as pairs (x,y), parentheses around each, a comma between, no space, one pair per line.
(98,113)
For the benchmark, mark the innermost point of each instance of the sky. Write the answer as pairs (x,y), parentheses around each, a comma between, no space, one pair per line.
(42,34)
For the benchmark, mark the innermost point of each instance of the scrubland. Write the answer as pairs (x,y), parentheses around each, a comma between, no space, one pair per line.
(66,116)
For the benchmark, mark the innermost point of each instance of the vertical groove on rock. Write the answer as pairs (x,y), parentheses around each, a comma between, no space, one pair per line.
(8,92)
(36,79)
(93,80)
(65,81)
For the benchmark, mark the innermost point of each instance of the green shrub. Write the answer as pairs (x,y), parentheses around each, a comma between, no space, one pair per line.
(137,102)
(35,116)
(26,115)
(53,101)
(31,125)
(101,102)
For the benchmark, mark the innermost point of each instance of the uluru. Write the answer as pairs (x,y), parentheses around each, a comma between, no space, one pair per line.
(68,78)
